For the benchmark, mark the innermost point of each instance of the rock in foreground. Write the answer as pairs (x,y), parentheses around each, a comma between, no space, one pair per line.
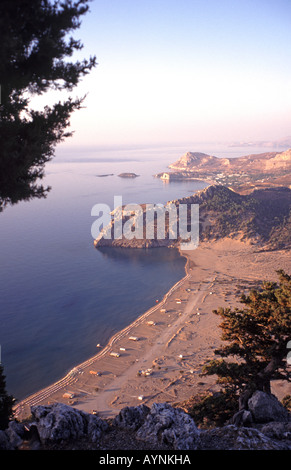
(59,422)
(265,408)
(171,426)
(161,427)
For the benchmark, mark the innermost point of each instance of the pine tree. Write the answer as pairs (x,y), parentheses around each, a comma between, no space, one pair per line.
(34,58)
(6,402)
(256,337)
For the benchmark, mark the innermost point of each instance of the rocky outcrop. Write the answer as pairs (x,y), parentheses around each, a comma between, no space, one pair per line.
(162,426)
(262,217)
(265,407)
(275,430)
(191,160)
(131,417)
(15,434)
(233,437)
(5,443)
(262,408)
(170,426)
(61,422)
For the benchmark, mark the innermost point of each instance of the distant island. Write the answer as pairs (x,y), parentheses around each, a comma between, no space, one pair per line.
(128,175)
(103,176)
(241,174)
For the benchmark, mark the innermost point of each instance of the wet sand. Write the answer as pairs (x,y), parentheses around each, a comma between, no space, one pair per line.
(161,353)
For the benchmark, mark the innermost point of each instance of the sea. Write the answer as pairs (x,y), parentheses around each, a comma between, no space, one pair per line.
(60,296)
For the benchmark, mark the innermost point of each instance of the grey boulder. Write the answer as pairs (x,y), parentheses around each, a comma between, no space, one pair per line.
(61,422)
(131,417)
(266,407)
(167,425)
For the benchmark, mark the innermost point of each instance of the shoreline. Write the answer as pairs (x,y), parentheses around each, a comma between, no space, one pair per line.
(69,378)
(163,350)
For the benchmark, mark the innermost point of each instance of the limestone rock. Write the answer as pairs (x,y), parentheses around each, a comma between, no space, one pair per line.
(232,437)
(168,425)
(266,407)
(131,417)
(159,426)
(276,430)
(61,422)
(15,433)
(5,444)
(242,418)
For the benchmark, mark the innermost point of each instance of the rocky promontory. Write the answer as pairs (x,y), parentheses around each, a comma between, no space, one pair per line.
(263,217)
(242,174)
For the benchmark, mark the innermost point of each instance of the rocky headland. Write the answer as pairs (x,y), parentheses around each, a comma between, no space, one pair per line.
(262,217)
(242,174)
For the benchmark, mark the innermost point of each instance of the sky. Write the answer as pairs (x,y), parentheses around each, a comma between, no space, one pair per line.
(176,71)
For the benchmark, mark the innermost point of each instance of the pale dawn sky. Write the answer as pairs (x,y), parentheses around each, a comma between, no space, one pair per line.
(174,71)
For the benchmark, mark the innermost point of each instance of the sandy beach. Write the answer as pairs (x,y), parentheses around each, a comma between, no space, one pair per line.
(158,358)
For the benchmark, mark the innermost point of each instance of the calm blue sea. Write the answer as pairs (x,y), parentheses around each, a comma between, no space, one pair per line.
(59,296)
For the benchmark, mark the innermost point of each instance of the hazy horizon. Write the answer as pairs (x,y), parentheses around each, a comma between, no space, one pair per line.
(168,153)
(183,72)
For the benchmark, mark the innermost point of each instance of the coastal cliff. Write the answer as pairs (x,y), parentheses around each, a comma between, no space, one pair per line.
(262,217)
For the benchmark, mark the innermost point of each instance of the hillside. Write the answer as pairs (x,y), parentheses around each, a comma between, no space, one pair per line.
(262,217)
(255,162)
(242,174)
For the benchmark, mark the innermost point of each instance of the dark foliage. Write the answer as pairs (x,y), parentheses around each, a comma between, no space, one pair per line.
(255,353)
(6,402)
(211,409)
(256,337)
(34,53)
(263,215)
